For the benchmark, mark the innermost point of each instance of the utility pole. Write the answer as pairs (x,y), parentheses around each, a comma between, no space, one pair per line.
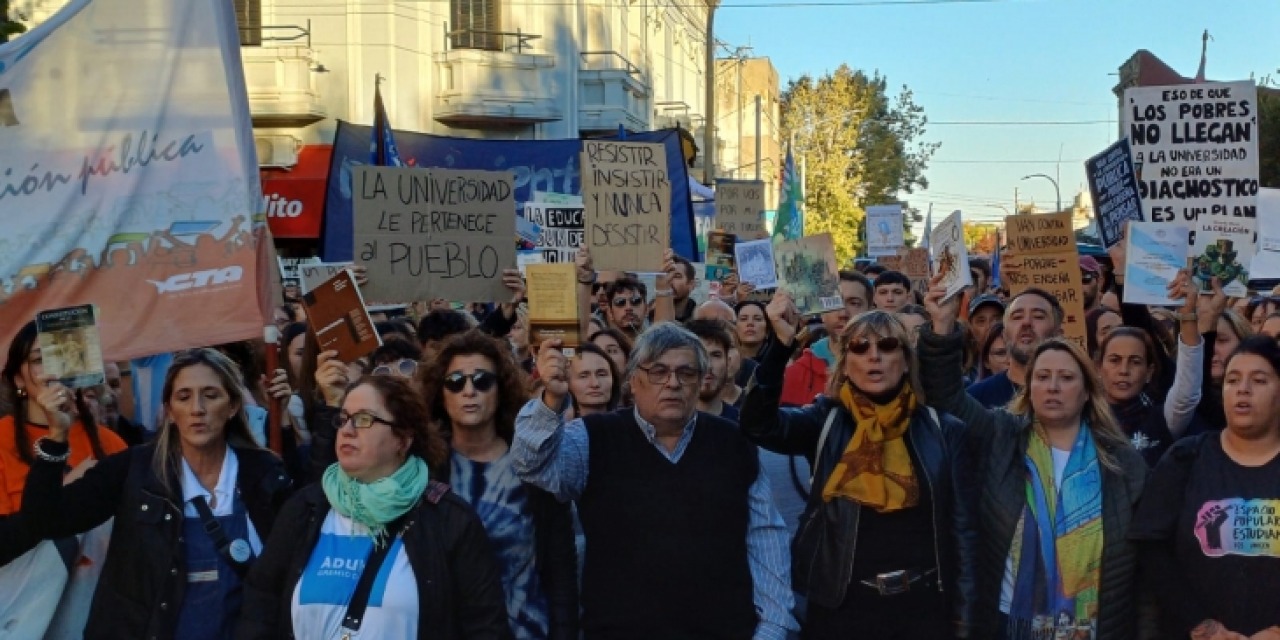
(709,133)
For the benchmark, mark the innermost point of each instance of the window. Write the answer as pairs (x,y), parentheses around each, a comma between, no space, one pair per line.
(476,24)
(249,21)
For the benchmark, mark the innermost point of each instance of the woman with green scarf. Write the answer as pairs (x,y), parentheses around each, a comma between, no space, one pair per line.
(875,554)
(430,569)
(1054,492)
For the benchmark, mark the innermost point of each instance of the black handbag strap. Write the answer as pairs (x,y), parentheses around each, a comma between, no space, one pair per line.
(219,537)
(360,598)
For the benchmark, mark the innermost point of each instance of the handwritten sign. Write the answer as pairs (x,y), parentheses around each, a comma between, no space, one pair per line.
(915,265)
(1042,254)
(740,207)
(1114,188)
(627,195)
(561,229)
(884,230)
(434,233)
(1195,150)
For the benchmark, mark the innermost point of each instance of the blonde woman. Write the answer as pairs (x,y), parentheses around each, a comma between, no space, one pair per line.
(1055,492)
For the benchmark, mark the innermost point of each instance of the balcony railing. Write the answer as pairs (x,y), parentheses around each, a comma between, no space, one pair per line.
(608,61)
(517,40)
(254,36)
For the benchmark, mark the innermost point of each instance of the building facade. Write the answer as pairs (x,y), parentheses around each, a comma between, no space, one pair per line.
(739,81)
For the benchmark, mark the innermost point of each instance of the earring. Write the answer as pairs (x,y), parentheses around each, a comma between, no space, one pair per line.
(21,392)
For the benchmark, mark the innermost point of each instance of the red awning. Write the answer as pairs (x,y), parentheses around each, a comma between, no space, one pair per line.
(293,199)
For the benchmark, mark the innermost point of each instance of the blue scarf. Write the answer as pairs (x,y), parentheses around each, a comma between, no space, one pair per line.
(1057,546)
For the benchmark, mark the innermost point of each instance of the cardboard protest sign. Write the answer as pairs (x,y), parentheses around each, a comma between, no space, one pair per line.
(1266,262)
(740,207)
(70,346)
(915,265)
(1042,254)
(1114,188)
(891,263)
(434,233)
(807,270)
(950,255)
(339,319)
(560,229)
(884,230)
(1195,150)
(553,303)
(627,195)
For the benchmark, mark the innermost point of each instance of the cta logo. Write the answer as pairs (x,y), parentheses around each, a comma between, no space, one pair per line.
(199,280)
(278,207)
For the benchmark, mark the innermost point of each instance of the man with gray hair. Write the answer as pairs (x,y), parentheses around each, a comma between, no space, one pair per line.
(682,537)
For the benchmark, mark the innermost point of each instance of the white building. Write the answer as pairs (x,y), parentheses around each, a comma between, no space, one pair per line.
(506,69)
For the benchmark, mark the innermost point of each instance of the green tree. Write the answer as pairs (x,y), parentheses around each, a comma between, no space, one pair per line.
(8,28)
(976,236)
(1269,134)
(859,145)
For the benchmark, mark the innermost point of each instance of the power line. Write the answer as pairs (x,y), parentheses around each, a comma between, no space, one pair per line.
(1010,123)
(775,4)
(1054,161)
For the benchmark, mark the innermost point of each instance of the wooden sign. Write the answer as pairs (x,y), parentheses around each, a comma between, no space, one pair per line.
(627,196)
(435,233)
(1042,254)
(740,207)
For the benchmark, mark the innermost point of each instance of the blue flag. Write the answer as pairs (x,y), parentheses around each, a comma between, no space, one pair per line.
(382,148)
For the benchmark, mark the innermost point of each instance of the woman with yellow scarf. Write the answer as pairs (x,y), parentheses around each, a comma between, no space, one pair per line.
(1056,486)
(875,553)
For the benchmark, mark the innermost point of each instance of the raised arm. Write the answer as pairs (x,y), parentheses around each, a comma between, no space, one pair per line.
(1184,395)
(940,359)
(546,452)
(499,321)
(786,431)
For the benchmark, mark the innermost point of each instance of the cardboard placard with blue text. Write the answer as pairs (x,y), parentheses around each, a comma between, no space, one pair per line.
(626,192)
(434,233)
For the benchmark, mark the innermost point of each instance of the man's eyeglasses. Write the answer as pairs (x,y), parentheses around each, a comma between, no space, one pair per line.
(360,419)
(1087,277)
(883,345)
(405,368)
(660,374)
(634,301)
(482,380)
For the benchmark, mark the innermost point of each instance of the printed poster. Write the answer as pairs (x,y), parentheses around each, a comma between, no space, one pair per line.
(1266,262)
(756,264)
(1114,188)
(1154,253)
(1195,151)
(807,270)
(884,230)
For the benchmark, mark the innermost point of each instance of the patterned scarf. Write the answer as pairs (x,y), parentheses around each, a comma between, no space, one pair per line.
(378,503)
(1057,546)
(875,468)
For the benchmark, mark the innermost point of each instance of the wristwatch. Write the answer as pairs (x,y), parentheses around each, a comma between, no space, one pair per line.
(1186,317)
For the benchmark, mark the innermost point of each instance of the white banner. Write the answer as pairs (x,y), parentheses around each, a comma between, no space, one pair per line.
(128,176)
(1195,152)
(1266,261)
(884,230)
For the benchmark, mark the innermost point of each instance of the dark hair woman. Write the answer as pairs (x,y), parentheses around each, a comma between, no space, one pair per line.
(190,509)
(37,400)
(616,345)
(1099,322)
(1207,525)
(1055,489)
(474,389)
(993,358)
(377,547)
(874,552)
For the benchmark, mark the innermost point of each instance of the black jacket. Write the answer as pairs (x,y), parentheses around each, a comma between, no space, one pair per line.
(822,553)
(459,584)
(999,439)
(557,554)
(143,578)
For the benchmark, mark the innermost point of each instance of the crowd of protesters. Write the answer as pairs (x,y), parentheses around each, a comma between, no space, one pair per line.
(909,465)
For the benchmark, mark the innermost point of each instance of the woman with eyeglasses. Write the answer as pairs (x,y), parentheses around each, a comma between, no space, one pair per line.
(474,391)
(1054,482)
(191,508)
(378,548)
(993,358)
(875,553)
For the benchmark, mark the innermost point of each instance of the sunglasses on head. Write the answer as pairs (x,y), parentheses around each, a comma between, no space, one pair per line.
(404,368)
(884,345)
(482,380)
(635,301)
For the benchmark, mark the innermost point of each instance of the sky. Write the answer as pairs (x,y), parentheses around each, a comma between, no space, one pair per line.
(1007,61)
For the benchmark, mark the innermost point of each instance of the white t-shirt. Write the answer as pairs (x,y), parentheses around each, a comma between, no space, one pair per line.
(1060,459)
(320,598)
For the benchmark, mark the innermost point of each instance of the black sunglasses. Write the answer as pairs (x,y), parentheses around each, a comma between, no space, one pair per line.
(482,380)
(883,345)
(622,302)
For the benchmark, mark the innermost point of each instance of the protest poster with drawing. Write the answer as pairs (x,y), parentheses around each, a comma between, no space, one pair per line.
(884,230)
(434,233)
(627,196)
(807,270)
(1195,152)
(950,255)
(755,263)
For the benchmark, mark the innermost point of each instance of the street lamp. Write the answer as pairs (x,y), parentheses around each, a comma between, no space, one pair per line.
(1056,192)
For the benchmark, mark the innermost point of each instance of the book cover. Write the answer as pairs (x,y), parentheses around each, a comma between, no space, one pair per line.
(339,319)
(807,269)
(950,256)
(720,262)
(70,346)
(755,263)
(552,290)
